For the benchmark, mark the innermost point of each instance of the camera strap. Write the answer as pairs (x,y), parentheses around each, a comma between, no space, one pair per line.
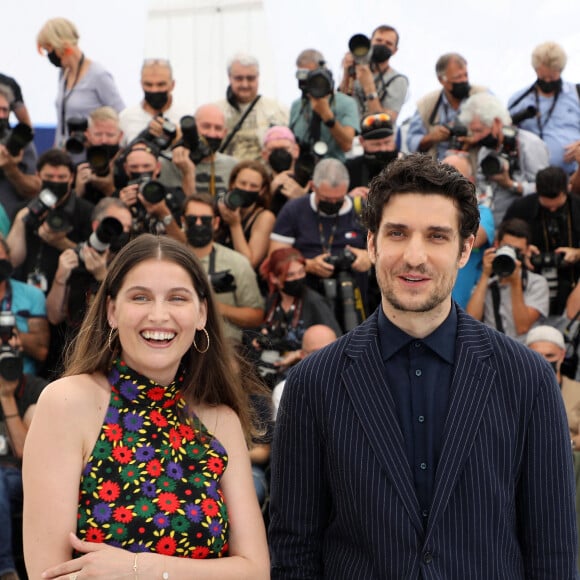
(238,125)
(66,94)
(211,264)
(542,124)
(495,296)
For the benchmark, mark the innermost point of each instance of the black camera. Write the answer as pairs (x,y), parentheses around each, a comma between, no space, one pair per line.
(10,359)
(547,260)
(222,282)
(317,83)
(496,162)
(504,262)
(59,219)
(99,158)
(76,127)
(238,198)
(169,131)
(190,138)
(280,160)
(39,207)
(364,53)
(109,229)
(18,138)
(528,113)
(342,261)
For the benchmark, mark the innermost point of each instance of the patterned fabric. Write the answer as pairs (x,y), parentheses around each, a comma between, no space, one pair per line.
(152,483)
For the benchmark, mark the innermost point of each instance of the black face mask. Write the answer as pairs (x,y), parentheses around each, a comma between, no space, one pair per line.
(157,100)
(214,143)
(4,126)
(294,287)
(460,90)
(54,59)
(380,53)
(381,158)
(198,235)
(280,160)
(330,207)
(549,86)
(59,188)
(489,141)
(5,270)
(243,197)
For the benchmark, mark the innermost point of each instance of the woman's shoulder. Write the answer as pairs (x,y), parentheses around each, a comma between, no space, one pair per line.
(221,421)
(75,392)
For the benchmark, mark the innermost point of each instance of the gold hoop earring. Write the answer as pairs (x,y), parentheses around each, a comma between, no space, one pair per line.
(206,338)
(111,338)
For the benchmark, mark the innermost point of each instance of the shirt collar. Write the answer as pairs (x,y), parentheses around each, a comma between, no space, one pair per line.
(346,207)
(441,341)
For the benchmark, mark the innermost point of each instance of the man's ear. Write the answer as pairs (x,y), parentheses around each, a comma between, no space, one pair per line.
(371,247)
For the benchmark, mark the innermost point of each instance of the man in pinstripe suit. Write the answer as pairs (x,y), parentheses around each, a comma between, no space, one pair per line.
(423,444)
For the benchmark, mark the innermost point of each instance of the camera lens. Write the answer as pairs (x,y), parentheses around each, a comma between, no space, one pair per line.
(491,165)
(20,137)
(153,191)
(504,262)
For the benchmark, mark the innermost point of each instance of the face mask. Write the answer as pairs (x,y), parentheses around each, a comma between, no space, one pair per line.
(280,160)
(5,270)
(381,158)
(489,141)
(59,188)
(380,53)
(157,100)
(294,287)
(4,126)
(54,59)
(330,207)
(549,86)
(460,90)
(198,235)
(214,143)
(243,197)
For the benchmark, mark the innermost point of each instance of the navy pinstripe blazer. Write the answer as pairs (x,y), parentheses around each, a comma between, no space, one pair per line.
(343,504)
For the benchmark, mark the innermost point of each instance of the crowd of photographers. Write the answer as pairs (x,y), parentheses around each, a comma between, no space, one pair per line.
(269,199)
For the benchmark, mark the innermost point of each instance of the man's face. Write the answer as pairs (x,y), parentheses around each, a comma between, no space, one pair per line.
(520,244)
(325,192)
(141,161)
(244,82)
(57,174)
(479,131)
(376,145)
(286,144)
(104,133)
(553,204)
(550,351)
(417,253)
(202,212)
(157,79)
(454,73)
(211,123)
(548,74)
(388,39)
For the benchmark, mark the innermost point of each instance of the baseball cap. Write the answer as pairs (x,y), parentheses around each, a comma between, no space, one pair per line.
(545,333)
(377,126)
(278,132)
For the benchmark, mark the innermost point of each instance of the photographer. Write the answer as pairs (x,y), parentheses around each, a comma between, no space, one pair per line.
(51,223)
(508,297)
(433,124)
(324,121)
(18,179)
(155,208)
(507,158)
(554,218)
(234,281)
(377,87)
(95,176)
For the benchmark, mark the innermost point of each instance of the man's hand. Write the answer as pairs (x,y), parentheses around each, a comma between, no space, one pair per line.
(503,179)
(157,210)
(572,152)
(321,107)
(288,186)
(360,191)
(365,78)
(318,267)
(67,262)
(181,160)
(56,239)
(6,160)
(156,126)
(128,195)
(232,217)
(83,177)
(439,133)
(488,257)
(95,263)
(363,262)
(571,255)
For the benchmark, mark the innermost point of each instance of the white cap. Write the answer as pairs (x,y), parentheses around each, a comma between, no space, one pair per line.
(545,333)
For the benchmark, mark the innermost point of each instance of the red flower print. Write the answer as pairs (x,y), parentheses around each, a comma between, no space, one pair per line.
(123,515)
(216,465)
(154,468)
(166,546)
(95,535)
(113,432)
(174,438)
(209,507)
(168,502)
(122,454)
(109,491)
(200,552)
(169,403)
(158,419)
(186,432)
(156,393)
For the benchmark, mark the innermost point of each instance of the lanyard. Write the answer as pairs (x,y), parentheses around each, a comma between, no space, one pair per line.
(66,95)
(541,124)
(327,246)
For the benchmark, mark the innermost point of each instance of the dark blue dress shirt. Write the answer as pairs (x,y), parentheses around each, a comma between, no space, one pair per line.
(418,373)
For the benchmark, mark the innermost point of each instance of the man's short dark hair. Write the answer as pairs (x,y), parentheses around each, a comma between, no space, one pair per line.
(515,227)
(419,173)
(205,198)
(55,158)
(551,182)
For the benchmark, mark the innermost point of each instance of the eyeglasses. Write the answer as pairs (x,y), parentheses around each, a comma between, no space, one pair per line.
(377,119)
(248,78)
(205,219)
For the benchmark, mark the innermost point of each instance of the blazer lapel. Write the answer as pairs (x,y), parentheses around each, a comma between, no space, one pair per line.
(470,387)
(373,403)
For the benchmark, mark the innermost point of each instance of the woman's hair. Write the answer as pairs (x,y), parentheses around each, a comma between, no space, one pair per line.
(258,167)
(215,377)
(278,263)
(57,33)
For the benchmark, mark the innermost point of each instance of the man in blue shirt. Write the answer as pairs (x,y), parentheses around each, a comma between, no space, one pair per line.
(551,106)
(422,444)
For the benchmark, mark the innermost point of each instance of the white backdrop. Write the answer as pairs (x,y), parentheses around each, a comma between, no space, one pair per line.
(496,37)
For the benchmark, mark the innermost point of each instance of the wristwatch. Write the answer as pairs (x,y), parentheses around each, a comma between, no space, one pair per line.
(166,220)
(515,188)
(371,97)
(330,123)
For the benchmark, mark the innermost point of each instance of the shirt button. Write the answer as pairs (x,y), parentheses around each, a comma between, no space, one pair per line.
(421,419)
(418,372)
(427,558)
(417,345)
(423,466)
(425,513)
